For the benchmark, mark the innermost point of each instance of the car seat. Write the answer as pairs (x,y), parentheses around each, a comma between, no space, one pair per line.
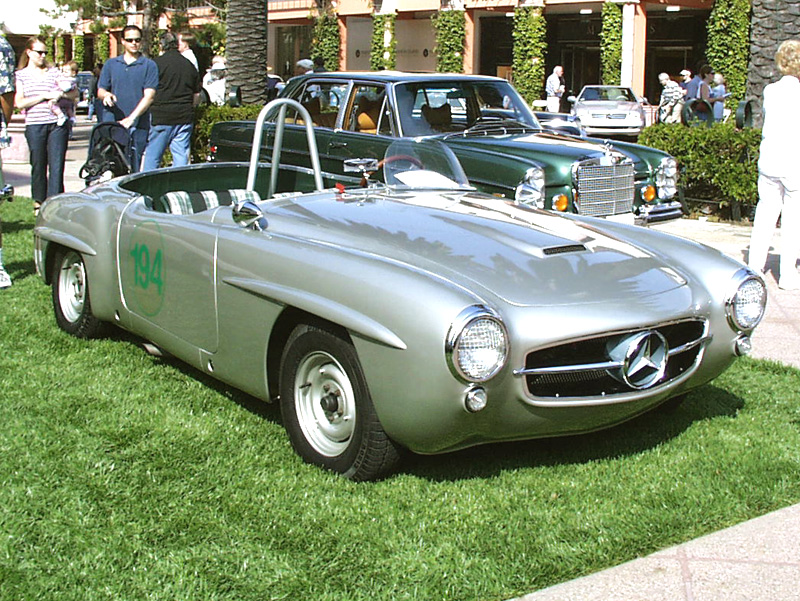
(439,118)
(367,115)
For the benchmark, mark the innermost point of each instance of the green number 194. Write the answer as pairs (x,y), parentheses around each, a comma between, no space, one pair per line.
(145,271)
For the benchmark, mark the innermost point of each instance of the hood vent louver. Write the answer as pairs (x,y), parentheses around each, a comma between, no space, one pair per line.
(560,250)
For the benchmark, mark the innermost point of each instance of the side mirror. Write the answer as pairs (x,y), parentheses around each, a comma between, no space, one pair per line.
(248,215)
(571,99)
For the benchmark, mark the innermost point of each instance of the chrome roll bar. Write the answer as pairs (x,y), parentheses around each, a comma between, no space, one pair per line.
(280,124)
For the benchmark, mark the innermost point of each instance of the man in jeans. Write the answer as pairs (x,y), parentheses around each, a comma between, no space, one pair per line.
(127,86)
(173,107)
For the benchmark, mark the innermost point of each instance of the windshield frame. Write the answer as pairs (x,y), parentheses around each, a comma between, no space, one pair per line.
(469,105)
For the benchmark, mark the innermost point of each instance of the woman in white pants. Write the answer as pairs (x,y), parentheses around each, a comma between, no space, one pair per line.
(779,170)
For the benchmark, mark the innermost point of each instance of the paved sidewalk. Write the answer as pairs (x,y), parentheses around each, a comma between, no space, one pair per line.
(758,560)
(16,160)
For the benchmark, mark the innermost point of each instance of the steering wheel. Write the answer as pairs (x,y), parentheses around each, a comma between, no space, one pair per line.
(400,157)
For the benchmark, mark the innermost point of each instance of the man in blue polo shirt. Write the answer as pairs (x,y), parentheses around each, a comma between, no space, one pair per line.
(127,86)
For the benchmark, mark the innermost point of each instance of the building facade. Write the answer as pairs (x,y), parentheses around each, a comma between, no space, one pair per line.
(657,36)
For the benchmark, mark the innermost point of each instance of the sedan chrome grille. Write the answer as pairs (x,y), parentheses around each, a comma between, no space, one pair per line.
(615,363)
(604,189)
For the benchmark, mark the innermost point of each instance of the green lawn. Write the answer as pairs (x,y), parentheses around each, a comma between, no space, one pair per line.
(125,476)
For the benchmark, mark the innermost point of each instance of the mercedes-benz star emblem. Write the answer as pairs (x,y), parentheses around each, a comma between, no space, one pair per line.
(642,357)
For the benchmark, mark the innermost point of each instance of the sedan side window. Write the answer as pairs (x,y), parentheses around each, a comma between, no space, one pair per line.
(323,100)
(370,112)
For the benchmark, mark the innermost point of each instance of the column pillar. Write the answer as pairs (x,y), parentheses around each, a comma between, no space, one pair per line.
(634,45)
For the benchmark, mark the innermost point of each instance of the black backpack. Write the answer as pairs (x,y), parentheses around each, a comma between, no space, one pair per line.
(109,153)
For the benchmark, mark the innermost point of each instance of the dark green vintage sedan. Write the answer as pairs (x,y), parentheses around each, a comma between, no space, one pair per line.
(495,135)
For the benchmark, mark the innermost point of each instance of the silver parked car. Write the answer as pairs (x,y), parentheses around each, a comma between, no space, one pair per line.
(609,111)
(413,313)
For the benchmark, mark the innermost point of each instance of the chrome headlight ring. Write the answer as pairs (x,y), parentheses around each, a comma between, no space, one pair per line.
(747,301)
(530,190)
(667,178)
(477,344)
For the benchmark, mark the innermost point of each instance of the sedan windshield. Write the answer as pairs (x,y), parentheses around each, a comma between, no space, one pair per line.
(607,93)
(429,108)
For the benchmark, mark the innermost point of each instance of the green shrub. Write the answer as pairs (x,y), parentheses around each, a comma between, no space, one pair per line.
(530,46)
(611,44)
(718,163)
(205,116)
(327,40)
(450,27)
(380,24)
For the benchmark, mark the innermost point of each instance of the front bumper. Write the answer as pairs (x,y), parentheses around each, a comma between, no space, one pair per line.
(595,131)
(659,213)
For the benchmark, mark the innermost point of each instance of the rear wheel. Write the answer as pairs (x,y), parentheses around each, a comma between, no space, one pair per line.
(327,409)
(71,303)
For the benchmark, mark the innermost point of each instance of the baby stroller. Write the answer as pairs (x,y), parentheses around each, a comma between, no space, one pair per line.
(109,153)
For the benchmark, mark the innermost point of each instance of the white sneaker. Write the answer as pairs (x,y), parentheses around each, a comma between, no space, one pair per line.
(5,279)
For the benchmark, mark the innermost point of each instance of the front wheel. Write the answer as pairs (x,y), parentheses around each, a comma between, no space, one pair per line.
(327,409)
(71,304)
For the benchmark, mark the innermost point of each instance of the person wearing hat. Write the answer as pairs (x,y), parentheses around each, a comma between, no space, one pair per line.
(686,76)
(671,104)
(214,81)
(303,66)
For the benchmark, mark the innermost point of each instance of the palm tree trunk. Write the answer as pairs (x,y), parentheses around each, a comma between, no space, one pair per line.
(247,48)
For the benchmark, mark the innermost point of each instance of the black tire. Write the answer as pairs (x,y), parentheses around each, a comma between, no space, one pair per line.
(71,301)
(327,409)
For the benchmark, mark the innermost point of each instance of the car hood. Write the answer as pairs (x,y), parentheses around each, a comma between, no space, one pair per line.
(484,244)
(555,152)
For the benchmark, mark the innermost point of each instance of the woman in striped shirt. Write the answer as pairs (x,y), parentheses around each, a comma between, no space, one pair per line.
(37,89)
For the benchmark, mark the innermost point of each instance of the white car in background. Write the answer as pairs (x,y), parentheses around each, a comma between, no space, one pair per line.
(609,110)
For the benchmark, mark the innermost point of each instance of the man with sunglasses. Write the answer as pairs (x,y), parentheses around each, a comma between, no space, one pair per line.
(127,87)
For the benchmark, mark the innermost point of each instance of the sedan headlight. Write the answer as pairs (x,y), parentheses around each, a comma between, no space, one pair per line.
(477,344)
(667,178)
(530,190)
(746,305)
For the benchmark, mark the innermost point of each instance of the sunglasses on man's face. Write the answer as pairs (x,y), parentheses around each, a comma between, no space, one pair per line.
(133,40)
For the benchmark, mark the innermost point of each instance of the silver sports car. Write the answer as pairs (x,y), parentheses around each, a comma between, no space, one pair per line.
(412,314)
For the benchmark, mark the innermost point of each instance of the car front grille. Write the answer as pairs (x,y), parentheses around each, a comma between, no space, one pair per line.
(603,190)
(585,370)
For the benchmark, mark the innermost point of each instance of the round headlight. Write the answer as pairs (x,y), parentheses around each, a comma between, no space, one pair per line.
(530,190)
(477,345)
(746,306)
(670,167)
(667,178)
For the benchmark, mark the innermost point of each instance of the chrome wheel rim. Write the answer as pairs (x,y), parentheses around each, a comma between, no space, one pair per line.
(325,403)
(72,287)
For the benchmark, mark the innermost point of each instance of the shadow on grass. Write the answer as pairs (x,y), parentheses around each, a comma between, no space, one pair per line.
(630,438)
(267,411)
(13,227)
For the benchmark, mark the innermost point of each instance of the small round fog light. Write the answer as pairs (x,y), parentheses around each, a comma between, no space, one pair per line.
(560,202)
(743,345)
(475,399)
(649,193)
